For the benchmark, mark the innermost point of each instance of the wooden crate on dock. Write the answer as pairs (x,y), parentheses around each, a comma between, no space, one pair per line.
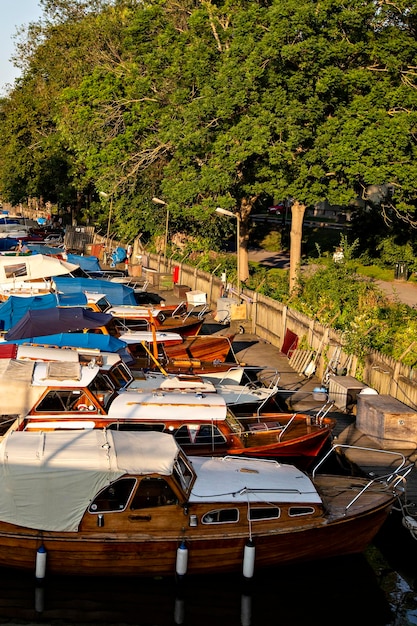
(387,420)
(344,390)
(180,291)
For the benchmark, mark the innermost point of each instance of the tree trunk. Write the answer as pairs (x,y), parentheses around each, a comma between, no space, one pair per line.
(296,235)
(243,251)
(244,213)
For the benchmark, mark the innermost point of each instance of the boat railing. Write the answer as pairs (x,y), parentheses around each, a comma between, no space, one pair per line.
(270,391)
(287,426)
(323,411)
(198,309)
(336,446)
(391,479)
(180,310)
(273,389)
(226,374)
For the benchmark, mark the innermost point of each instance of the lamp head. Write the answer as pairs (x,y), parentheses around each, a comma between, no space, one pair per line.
(226,212)
(158,201)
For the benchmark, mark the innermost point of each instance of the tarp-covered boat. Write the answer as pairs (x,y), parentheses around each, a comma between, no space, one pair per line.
(36,323)
(107,503)
(115,293)
(33,267)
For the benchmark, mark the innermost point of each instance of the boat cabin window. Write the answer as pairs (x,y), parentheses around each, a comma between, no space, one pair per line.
(102,389)
(15,270)
(183,473)
(6,420)
(123,324)
(136,426)
(101,305)
(202,434)
(65,400)
(114,497)
(152,492)
(120,376)
(221,516)
(264,512)
(296,511)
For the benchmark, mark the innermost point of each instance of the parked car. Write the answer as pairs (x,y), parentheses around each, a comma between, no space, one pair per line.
(277,209)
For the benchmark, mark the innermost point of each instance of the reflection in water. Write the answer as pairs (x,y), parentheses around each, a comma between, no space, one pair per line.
(396,570)
(344,591)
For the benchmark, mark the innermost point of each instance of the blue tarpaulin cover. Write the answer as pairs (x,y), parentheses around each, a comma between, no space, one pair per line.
(87,263)
(15,307)
(116,293)
(118,256)
(8,243)
(72,299)
(40,248)
(58,320)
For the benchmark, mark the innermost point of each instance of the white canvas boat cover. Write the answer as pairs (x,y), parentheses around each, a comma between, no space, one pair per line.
(34,267)
(137,336)
(42,353)
(63,374)
(153,381)
(166,406)
(232,393)
(237,479)
(22,382)
(16,391)
(47,480)
(131,311)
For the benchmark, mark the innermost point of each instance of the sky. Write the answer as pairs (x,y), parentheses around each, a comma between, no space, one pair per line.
(14,13)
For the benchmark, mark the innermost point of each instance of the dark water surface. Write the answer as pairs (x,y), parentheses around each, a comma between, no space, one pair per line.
(374,589)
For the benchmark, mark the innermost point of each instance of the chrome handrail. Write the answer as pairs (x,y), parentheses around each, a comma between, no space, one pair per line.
(401,457)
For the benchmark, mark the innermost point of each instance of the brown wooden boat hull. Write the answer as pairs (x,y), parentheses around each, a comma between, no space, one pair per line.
(189,326)
(202,347)
(300,443)
(140,554)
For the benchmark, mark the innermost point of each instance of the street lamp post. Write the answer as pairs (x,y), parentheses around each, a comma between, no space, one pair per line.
(103,194)
(237,218)
(159,201)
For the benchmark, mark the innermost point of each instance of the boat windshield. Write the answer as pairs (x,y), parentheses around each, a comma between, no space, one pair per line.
(183,473)
(120,376)
(234,423)
(102,389)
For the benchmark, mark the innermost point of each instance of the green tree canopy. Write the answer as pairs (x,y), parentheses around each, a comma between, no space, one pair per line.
(220,104)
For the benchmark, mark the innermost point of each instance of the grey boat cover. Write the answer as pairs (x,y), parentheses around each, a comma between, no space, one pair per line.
(48,479)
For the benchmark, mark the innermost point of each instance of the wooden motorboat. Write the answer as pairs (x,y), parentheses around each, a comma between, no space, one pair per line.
(203,347)
(213,348)
(115,503)
(79,389)
(241,397)
(165,318)
(140,318)
(28,275)
(203,426)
